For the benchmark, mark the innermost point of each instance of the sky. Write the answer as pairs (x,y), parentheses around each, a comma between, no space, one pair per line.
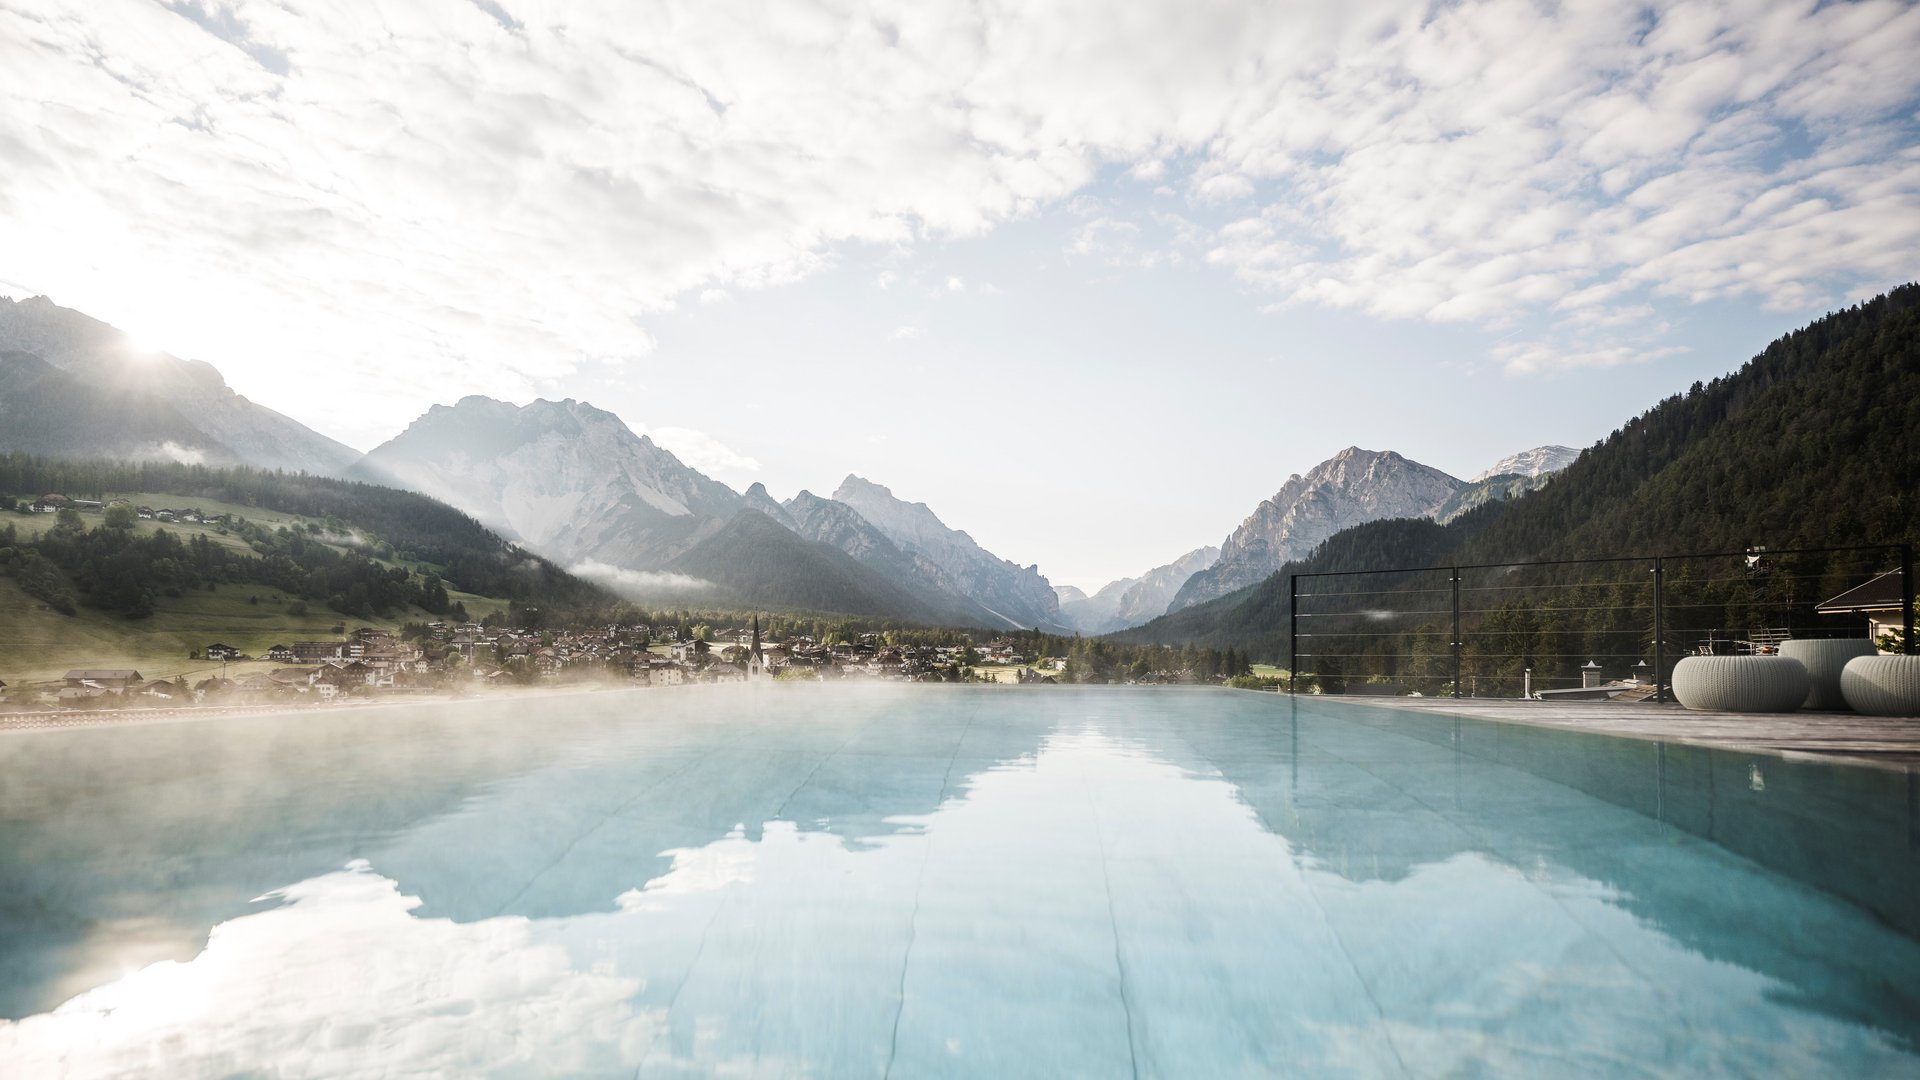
(1089,279)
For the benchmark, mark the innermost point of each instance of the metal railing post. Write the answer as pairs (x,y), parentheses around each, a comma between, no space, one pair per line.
(1456,631)
(1659,629)
(1293,629)
(1906,597)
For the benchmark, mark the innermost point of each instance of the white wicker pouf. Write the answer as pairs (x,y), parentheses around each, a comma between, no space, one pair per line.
(1754,684)
(1882,685)
(1823,658)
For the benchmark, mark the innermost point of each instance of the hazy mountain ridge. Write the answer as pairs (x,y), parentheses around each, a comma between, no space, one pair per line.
(1018,595)
(44,410)
(569,479)
(209,422)
(1131,601)
(573,481)
(756,560)
(834,523)
(1350,488)
(757,498)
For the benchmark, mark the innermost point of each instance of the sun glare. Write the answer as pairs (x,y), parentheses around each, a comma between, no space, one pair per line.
(142,346)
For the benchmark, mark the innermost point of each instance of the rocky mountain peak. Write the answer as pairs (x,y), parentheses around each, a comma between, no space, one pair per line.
(1538,461)
(1353,486)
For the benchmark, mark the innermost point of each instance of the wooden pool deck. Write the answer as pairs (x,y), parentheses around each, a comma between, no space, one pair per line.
(1880,740)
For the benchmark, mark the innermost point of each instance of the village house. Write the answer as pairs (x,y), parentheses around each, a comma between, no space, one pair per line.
(329,685)
(221,651)
(214,687)
(111,680)
(1880,600)
(297,679)
(312,652)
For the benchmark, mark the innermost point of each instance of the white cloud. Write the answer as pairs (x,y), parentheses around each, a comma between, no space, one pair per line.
(638,584)
(715,296)
(496,997)
(1104,235)
(1149,170)
(1534,357)
(173,451)
(498,194)
(906,333)
(703,451)
(954,284)
(1500,158)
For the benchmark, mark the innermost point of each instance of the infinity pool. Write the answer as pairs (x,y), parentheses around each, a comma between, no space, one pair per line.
(922,881)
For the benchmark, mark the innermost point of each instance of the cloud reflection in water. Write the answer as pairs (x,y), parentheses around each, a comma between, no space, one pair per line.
(1090,908)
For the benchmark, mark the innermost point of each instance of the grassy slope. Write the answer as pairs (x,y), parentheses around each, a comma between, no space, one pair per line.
(38,644)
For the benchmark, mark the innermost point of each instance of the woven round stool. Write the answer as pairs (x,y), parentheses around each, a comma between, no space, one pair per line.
(1882,685)
(1751,684)
(1823,658)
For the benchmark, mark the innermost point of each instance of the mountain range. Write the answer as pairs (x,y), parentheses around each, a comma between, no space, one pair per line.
(1133,600)
(575,484)
(1351,488)
(563,479)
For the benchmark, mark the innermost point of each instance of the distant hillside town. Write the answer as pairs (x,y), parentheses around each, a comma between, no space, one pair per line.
(370,663)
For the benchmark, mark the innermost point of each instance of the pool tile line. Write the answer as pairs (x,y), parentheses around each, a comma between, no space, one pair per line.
(919,886)
(1113,925)
(780,813)
(596,827)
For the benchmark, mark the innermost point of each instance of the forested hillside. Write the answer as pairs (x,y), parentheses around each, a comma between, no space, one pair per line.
(344,558)
(1809,444)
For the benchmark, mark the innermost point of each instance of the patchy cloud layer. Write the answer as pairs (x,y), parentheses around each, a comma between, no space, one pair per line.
(503,192)
(640,584)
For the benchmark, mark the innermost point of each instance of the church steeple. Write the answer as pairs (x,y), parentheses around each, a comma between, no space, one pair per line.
(756,657)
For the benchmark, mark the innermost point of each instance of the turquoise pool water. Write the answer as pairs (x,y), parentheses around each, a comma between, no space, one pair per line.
(919,881)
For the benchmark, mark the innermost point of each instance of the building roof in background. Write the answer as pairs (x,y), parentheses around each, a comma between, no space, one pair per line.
(1880,594)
